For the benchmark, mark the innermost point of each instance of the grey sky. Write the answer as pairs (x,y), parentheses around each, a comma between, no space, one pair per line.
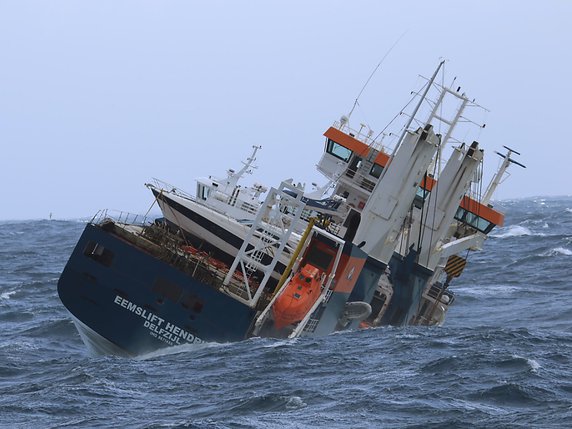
(98,97)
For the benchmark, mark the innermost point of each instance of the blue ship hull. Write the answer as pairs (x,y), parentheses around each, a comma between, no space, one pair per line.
(409,280)
(128,301)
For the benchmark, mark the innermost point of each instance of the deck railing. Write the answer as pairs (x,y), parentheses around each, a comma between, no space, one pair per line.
(171,188)
(120,217)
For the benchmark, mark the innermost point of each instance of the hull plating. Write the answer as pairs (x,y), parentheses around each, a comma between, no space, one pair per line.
(139,304)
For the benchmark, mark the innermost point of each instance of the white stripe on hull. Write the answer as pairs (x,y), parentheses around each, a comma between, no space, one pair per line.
(183,222)
(229,224)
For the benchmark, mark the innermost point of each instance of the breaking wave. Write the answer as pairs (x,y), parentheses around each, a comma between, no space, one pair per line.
(514,231)
(558,251)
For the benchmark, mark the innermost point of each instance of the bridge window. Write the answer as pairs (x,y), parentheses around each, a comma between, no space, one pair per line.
(338,150)
(420,197)
(203,192)
(473,220)
(376,171)
(478,222)
(354,166)
(422,193)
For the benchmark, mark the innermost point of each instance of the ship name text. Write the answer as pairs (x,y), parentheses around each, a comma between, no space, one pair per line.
(157,326)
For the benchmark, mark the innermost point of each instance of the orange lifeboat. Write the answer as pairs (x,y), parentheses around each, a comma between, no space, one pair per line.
(297,297)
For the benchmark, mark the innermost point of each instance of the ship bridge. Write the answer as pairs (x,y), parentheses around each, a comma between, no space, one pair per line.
(355,162)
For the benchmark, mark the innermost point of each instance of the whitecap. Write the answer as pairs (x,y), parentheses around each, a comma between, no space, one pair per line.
(280,343)
(471,406)
(533,364)
(407,336)
(513,231)
(294,402)
(569,210)
(6,295)
(558,251)
(497,290)
(110,386)
(182,348)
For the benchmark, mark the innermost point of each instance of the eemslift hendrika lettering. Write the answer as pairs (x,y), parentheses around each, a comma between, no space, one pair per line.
(167,332)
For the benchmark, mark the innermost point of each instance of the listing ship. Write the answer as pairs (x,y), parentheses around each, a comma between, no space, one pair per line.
(378,244)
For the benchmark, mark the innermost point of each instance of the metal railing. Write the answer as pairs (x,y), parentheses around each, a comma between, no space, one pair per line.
(171,188)
(359,135)
(120,217)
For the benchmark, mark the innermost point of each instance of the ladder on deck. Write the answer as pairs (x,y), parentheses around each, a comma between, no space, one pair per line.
(264,243)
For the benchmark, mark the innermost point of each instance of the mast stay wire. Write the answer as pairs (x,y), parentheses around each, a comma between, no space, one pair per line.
(374,71)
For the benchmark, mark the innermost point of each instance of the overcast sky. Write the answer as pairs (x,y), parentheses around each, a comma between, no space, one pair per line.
(98,97)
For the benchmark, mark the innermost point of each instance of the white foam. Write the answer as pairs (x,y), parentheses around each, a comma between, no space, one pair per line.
(569,210)
(498,290)
(514,231)
(407,336)
(294,402)
(280,343)
(471,406)
(533,364)
(183,348)
(559,251)
(7,295)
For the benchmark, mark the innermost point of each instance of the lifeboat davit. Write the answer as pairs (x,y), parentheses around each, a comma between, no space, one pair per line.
(298,296)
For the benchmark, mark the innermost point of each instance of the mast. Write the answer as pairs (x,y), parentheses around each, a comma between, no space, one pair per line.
(233,177)
(414,113)
(498,177)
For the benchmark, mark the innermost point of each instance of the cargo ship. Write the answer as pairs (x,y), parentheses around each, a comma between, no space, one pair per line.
(378,244)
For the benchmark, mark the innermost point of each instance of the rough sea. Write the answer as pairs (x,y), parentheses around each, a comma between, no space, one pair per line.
(503,359)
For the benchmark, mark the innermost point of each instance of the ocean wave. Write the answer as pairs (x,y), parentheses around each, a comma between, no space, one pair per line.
(513,393)
(443,363)
(183,348)
(269,403)
(281,343)
(518,363)
(516,231)
(533,364)
(7,295)
(490,290)
(112,389)
(558,251)
(20,346)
